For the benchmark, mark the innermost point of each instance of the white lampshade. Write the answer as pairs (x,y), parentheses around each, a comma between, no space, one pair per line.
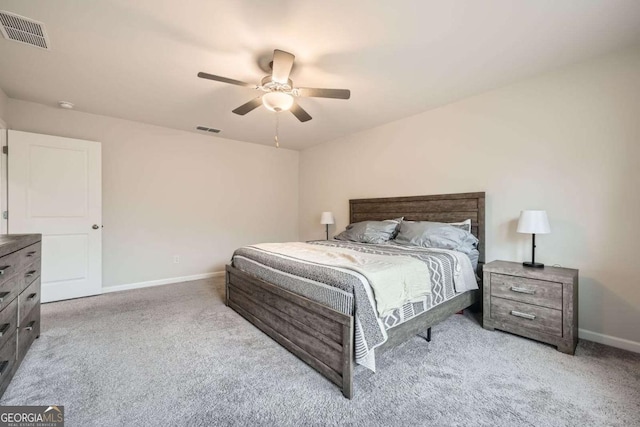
(277,101)
(533,222)
(327,218)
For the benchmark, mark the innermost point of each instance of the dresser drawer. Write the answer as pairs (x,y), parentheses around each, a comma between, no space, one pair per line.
(28,331)
(532,317)
(28,299)
(9,291)
(29,273)
(530,291)
(7,361)
(9,266)
(31,252)
(13,264)
(8,321)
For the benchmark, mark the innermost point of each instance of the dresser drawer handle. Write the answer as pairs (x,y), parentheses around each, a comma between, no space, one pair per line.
(3,296)
(2,269)
(523,290)
(523,315)
(30,273)
(3,366)
(31,254)
(29,327)
(31,296)
(3,329)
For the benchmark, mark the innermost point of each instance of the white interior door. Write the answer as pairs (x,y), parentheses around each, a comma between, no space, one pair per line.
(55,188)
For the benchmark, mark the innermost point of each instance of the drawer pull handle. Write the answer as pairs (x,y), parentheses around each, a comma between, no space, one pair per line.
(3,296)
(523,290)
(523,315)
(29,327)
(3,366)
(2,269)
(30,273)
(3,329)
(31,254)
(31,296)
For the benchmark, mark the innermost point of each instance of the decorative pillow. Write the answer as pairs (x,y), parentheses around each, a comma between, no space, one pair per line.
(436,235)
(399,221)
(370,231)
(465,225)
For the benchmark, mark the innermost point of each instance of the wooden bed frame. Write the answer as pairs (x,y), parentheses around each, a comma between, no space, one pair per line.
(323,337)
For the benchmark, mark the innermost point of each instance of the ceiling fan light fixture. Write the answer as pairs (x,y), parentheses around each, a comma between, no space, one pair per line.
(277,101)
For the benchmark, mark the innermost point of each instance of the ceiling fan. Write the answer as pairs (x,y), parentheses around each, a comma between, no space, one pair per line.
(279,91)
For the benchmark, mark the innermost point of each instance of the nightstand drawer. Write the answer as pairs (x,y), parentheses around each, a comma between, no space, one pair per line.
(530,291)
(532,317)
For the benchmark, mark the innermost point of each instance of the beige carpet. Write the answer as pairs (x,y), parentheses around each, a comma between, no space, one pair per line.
(175,355)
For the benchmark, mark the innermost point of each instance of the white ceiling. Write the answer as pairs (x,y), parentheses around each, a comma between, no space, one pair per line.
(139,59)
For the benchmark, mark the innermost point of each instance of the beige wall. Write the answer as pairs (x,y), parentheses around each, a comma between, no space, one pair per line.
(169,192)
(567,142)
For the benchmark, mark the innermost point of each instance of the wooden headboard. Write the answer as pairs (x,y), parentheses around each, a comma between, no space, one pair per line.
(438,208)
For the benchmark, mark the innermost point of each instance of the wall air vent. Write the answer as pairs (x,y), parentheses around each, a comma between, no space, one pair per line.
(206,129)
(23,30)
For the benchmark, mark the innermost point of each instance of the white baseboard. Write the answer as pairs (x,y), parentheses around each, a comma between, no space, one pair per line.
(128,286)
(609,340)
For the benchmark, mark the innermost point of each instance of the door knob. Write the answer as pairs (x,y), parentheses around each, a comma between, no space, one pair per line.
(95,226)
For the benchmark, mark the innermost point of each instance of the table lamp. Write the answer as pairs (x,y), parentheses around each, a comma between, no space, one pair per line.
(327,218)
(533,222)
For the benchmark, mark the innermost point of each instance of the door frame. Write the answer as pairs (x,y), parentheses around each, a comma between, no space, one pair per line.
(4,178)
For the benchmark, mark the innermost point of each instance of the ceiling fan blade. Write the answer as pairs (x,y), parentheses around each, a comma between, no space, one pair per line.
(314,92)
(282,64)
(300,114)
(249,106)
(224,80)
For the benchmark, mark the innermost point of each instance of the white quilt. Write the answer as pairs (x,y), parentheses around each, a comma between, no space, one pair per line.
(396,280)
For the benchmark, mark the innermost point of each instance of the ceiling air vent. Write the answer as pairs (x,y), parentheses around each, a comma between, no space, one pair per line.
(206,129)
(24,30)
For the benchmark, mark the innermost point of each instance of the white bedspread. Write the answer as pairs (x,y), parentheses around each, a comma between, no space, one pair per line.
(464,279)
(395,280)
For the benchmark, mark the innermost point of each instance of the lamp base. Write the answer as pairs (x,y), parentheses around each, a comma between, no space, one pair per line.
(533,264)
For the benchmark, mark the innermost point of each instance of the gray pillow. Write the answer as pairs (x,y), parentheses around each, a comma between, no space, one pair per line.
(369,231)
(436,235)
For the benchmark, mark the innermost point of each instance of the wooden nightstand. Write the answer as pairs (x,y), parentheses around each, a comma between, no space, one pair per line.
(536,303)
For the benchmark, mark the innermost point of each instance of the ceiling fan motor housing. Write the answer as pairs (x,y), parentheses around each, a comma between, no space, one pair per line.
(268,83)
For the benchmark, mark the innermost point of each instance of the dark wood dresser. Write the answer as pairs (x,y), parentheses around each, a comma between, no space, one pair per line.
(20,265)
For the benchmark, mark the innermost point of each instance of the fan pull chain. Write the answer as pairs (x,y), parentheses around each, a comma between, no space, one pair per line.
(277,130)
